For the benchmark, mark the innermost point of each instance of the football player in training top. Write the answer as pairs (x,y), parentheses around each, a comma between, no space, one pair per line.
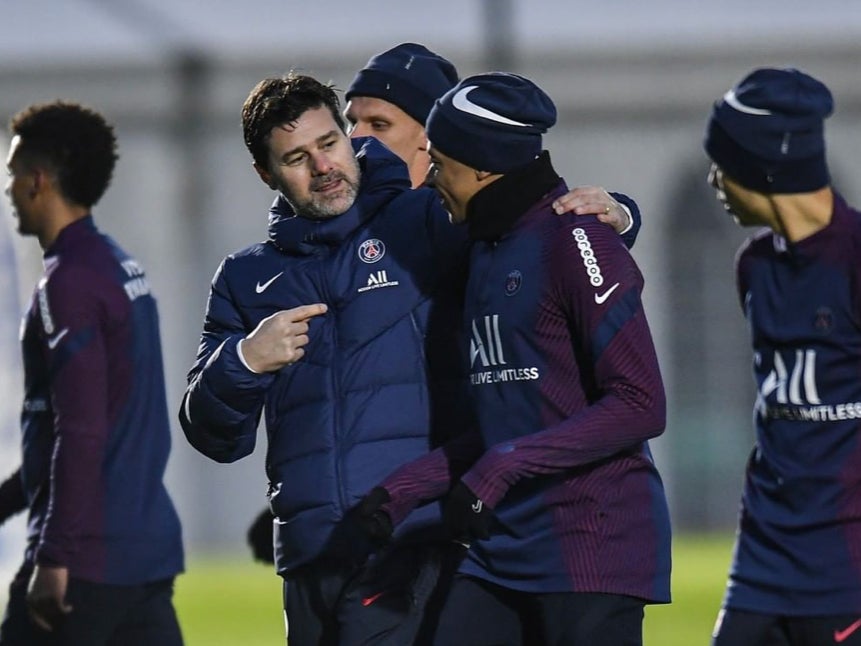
(557,494)
(103,542)
(796,573)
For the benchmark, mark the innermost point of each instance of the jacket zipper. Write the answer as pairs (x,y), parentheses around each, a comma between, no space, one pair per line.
(336,394)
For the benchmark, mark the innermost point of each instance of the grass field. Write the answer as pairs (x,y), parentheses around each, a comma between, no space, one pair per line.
(238,603)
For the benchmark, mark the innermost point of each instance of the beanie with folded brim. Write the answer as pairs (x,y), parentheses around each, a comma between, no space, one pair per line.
(767,132)
(492,122)
(409,76)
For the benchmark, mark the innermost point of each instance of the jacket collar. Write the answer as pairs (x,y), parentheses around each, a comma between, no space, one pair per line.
(493,211)
(70,234)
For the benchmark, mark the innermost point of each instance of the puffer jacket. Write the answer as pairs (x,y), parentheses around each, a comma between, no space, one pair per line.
(382,380)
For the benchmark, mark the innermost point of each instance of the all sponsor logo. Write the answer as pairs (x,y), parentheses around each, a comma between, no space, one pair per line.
(487,353)
(790,391)
(378,279)
(486,343)
(793,385)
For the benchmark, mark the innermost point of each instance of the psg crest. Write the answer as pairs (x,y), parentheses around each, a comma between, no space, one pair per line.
(371,250)
(823,322)
(513,282)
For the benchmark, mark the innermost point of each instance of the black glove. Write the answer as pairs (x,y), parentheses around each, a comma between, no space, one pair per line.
(260,537)
(465,514)
(12,497)
(373,521)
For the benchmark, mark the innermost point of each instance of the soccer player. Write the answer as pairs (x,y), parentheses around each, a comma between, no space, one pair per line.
(104,542)
(795,579)
(557,493)
(390,99)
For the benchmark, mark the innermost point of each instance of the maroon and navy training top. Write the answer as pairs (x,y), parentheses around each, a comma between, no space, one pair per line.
(96,436)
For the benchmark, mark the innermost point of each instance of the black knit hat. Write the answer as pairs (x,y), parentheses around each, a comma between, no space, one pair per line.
(767,132)
(492,122)
(408,75)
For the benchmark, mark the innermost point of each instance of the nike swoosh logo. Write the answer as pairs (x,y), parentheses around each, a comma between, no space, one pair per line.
(476,506)
(462,103)
(841,636)
(367,601)
(731,99)
(600,298)
(54,340)
(262,288)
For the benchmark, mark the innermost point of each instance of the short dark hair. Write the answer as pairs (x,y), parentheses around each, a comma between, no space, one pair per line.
(276,101)
(71,141)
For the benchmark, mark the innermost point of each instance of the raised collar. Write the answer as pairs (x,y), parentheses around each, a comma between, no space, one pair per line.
(493,211)
(70,234)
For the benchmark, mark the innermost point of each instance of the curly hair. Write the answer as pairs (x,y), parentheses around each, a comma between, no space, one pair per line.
(71,141)
(276,101)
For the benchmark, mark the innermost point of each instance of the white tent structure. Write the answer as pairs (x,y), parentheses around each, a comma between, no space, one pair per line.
(633,82)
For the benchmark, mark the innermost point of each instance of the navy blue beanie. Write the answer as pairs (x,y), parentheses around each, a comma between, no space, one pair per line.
(408,75)
(491,122)
(767,132)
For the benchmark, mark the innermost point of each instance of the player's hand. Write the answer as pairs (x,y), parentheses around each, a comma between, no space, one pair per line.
(260,537)
(465,515)
(280,339)
(46,596)
(594,200)
(371,517)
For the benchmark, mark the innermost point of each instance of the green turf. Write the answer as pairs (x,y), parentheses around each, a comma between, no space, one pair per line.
(233,602)
(700,565)
(229,602)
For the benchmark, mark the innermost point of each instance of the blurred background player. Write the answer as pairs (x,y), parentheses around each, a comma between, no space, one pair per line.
(795,579)
(104,541)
